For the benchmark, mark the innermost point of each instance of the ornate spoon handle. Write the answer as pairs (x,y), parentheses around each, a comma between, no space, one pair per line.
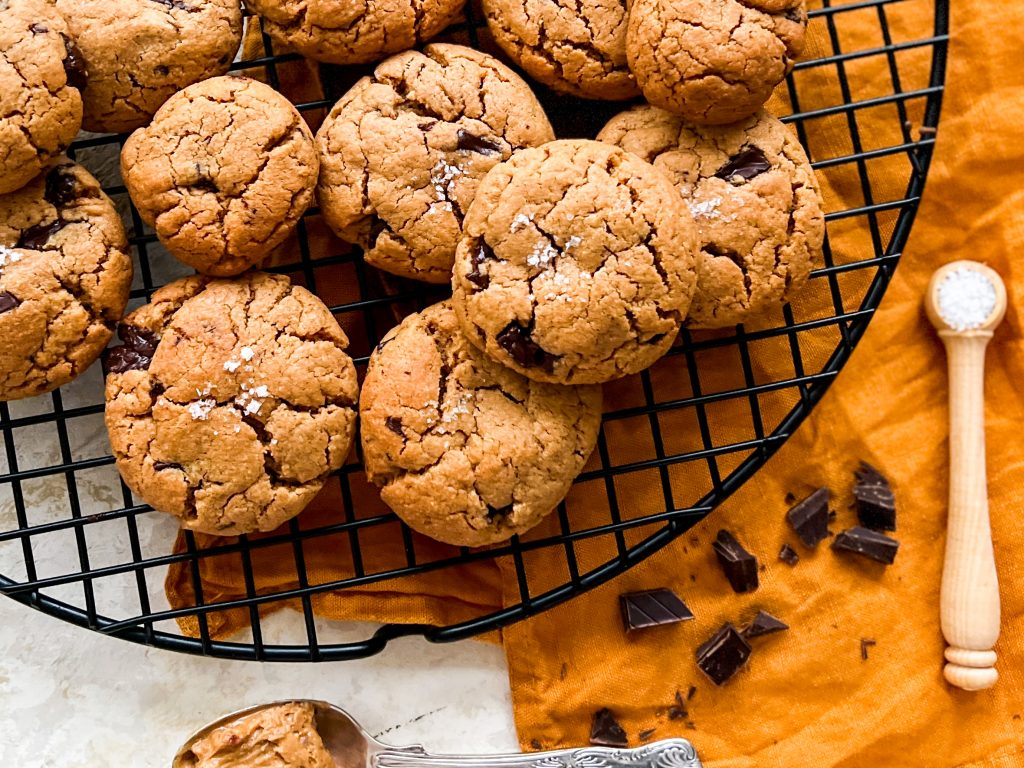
(670,753)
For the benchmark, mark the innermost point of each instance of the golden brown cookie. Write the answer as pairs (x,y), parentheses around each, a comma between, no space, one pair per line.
(465,450)
(354,31)
(224,173)
(753,196)
(65,274)
(713,61)
(403,152)
(139,52)
(577,263)
(41,77)
(574,47)
(230,401)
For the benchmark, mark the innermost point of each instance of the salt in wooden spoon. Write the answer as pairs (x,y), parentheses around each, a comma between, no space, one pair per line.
(965,302)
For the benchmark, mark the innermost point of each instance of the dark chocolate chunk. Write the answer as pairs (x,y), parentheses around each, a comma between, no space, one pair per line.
(788,555)
(62,187)
(74,65)
(723,655)
(605,730)
(471,143)
(740,566)
(516,340)
(136,353)
(480,256)
(159,466)
(8,301)
(868,543)
(876,504)
(394,423)
(865,643)
(653,608)
(746,165)
(809,518)
(38,29)
(763,624)
(36,238)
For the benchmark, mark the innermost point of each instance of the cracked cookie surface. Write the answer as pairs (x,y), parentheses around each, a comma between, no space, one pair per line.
(465,450)
(572,46)
(403,152)
(230,401)
(354,31)
(754,198)
(577,263)
(713,61)
(223,173)
(65,274)
(140,52)
(41,74)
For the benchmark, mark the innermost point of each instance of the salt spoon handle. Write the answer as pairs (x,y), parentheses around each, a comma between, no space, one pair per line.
(965,302)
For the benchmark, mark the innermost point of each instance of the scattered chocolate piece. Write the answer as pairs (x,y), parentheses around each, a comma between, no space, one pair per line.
(516,340)
(74,65)
(471,143)
(8,301)
(788,555)
(653,608)
(876,504)
(646,735)
(809,518)
(135,354)
(679,710)
(865,643)
(863,541)
(763,624)
(790,499)
(690,693)
(394,423)
(564,671)
(534,744)
(740,566)
(605,730)
(723,655)
(746,165)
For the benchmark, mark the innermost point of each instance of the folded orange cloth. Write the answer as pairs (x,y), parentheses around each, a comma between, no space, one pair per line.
(807,697)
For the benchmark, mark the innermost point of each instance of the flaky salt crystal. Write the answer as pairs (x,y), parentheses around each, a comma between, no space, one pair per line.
(965,299)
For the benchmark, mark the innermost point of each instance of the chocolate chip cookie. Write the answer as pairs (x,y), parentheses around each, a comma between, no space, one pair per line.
(65,274)
(713,61)
(139,52)
(41,77)
(753,196)
(403,152)
(354,32)
(465,450)
(577,263)
(223,173)
(576,47)
(230,401)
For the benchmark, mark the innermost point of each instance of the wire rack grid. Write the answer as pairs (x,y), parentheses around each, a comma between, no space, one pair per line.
(76,545)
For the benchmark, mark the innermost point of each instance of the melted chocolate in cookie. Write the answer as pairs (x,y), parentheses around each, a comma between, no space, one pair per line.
(36,238)
(74,65)
(38,29)
(136,353)
(394,423)
(8,301)
(471,143)
(62,187)
(746,165)
(516,340)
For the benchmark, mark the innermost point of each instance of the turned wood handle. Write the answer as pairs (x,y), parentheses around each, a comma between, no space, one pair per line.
(970,590)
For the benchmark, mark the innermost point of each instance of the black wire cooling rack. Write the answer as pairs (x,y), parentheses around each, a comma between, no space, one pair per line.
(676,441)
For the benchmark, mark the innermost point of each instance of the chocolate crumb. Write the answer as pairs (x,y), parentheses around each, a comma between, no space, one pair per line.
(691,693)
(865,643)
(646,735)
(788,555)
(763,624)
(534,744)
(605,730)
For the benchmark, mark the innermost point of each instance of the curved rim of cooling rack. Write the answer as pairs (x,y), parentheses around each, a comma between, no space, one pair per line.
(674,527)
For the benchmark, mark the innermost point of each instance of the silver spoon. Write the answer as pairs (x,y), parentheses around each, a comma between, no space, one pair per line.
(353,747)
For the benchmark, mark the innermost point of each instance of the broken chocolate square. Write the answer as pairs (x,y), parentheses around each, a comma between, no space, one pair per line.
(653,608)
(763,624)
(740,566)
(788,555)
(876,504)
(605,730)
(723,655)
(809,518)
(868,543)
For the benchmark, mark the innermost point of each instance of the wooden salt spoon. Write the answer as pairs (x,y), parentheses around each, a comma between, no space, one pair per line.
(965,302)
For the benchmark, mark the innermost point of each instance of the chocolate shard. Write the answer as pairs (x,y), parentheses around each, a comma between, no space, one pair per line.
(517,341)
(788,555)
(749,163)
(809,518)
(135,354)
(469,142)
(653,608)
(723,655)
(763,624)
(740,566)
(867,543)
(876,503)
(605,730)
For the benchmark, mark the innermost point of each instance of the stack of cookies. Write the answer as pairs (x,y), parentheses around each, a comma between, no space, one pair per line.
(572,262)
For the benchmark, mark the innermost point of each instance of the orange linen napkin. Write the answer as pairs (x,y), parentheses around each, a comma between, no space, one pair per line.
(807,697)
